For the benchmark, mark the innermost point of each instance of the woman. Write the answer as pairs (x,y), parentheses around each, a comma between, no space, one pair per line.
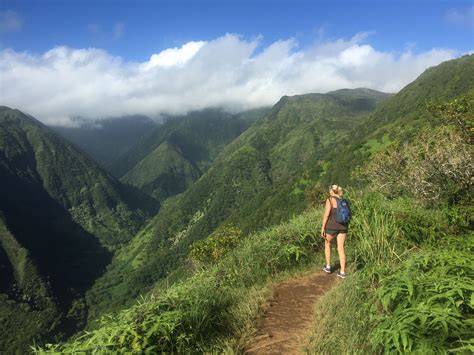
(331,229)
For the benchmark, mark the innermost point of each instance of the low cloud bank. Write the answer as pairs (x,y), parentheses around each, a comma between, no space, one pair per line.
(230,72)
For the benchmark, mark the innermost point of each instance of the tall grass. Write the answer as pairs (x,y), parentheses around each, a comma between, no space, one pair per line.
(413,291)
(377,232)
(214,309)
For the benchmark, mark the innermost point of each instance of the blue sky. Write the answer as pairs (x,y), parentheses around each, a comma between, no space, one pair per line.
(101,59)
(136,29)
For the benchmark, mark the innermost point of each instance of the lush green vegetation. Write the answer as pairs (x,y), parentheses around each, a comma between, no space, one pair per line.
(217,306)
(258,180)
(410,288)
(62,217)
(175,154)
(420,301)
(408,252)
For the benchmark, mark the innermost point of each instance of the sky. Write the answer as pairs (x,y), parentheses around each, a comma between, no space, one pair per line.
(100,59)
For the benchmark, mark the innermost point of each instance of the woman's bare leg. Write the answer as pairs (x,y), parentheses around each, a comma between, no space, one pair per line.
(341,238)
(327,248)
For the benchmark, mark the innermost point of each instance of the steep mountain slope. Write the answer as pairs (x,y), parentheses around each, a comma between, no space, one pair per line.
(176,153)
(106,140)
(257,180)
(27,307)
(62,217)
(401,117)
(261,177)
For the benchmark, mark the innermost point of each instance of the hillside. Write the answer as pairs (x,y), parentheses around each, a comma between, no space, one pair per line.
(59,209)
(257,180)
(106,140)
(409,287)
(266,174)
(174,155)
(401,117)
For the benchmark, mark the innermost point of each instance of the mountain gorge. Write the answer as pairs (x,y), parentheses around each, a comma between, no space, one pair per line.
(174,155)
(77,243)
(265,175)
(259,179)
(62,218)
(108,139)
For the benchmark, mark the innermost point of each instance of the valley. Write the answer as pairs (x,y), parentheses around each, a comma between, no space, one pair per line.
(169,236)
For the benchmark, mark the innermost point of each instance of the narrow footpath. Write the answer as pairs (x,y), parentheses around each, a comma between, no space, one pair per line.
(285,326)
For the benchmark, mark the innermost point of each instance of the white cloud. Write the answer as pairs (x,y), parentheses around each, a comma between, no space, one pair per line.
(463,17)
(228,71)
(173,56)
(10,21)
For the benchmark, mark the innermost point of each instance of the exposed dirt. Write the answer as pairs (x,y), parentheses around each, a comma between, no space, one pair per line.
(285,325)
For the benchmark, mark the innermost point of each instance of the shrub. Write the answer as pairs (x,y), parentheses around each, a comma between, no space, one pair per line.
(213,248)
(427,302)
(436,167)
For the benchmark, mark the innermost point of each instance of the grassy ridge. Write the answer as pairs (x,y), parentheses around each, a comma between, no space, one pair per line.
(216,307)
(258,180)
(262,177)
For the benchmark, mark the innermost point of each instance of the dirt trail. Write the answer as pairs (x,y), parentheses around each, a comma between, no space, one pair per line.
(284,327)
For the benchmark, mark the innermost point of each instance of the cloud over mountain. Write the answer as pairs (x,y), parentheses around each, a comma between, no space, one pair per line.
(228,71)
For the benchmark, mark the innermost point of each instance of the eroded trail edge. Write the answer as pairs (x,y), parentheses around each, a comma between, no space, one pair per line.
(285,325)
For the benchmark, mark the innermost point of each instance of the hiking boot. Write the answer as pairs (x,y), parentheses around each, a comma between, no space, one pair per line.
(327,269)
(342,275)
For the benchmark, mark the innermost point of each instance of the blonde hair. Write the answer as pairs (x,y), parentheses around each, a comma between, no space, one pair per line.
(336,189)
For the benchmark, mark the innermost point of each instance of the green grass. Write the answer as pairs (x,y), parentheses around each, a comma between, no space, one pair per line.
(411,288)
(217,307)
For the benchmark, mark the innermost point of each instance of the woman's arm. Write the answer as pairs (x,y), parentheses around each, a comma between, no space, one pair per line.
(327,210)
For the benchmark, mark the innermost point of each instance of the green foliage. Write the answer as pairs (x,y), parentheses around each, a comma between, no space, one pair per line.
(213,248)
(421,304)
(427,302)
(377,230)
(60,211)
(209,310)
(175,154)
(458,112)
(435,166)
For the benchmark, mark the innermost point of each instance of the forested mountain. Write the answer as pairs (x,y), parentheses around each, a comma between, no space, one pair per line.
(108,139)
(403,116)
(256,181)
(174,155)
(62,218)
(228,188)
(264,175)
(409,282)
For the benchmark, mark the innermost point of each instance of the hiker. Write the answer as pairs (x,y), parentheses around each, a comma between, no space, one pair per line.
(331,228)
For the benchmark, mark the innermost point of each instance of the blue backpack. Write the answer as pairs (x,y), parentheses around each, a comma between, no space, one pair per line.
(343,212)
